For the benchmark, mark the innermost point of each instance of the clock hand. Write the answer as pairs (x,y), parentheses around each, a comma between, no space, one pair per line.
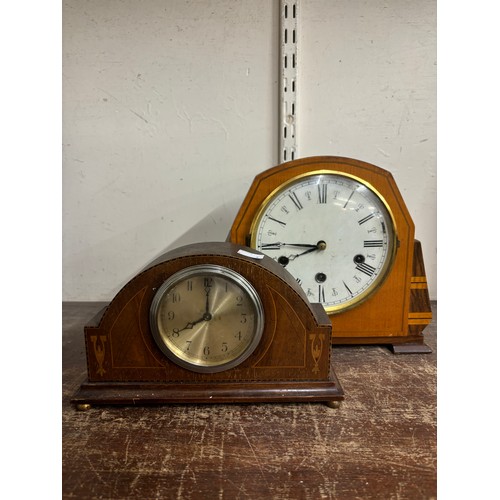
(321,245)
(293,257)
(189,325)
(278,245)
(206,302)
(206,316)
(303,245)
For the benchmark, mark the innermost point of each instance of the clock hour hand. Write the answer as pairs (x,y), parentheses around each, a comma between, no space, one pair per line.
(284,260)
(293,257)
(206,317)
(189,325)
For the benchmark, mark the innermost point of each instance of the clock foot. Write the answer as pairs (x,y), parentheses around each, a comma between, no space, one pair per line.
(411,348)
(333,404)
(83,407)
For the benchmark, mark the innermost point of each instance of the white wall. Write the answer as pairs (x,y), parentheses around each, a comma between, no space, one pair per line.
(368,91)
(170,108)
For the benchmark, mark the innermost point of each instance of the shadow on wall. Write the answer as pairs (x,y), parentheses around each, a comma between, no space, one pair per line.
(215,226)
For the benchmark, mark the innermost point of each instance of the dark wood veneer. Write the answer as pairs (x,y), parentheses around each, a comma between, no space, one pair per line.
(291,363)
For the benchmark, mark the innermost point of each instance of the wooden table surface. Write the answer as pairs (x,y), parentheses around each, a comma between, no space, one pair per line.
(379,444)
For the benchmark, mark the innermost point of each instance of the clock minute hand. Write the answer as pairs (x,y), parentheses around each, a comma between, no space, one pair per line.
(207,291)
(207,316)
(278,245)
(303,245)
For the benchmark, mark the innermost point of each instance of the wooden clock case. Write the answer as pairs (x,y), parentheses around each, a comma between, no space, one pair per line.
(395,314)
(291,363)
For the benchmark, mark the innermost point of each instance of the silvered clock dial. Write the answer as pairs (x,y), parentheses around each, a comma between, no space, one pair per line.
(207,318)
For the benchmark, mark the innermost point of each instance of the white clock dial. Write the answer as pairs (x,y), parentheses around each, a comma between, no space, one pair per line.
(332,232)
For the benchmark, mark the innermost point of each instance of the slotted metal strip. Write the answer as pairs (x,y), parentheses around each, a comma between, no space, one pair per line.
(288,84)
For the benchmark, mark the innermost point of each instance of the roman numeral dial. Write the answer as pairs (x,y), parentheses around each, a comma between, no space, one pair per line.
(332,232)
(366,269)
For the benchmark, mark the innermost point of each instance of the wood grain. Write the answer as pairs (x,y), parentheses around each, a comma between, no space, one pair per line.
(384,317)
(379,444)
(291,362)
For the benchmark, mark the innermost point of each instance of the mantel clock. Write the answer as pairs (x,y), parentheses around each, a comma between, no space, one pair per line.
(210,323)
(340,227)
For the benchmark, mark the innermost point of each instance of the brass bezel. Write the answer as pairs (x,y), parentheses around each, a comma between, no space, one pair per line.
(388,264)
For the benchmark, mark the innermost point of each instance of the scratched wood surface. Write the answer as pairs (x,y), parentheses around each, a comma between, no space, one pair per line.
(379,444)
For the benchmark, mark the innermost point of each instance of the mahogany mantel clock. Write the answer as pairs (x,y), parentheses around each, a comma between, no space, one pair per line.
(209,323)
(341,228)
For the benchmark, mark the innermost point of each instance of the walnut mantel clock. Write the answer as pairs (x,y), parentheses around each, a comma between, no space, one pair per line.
(209,323)
(341,228)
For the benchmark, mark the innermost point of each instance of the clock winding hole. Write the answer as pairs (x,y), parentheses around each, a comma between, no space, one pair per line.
(283,260)
(359,259)
(320,277)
